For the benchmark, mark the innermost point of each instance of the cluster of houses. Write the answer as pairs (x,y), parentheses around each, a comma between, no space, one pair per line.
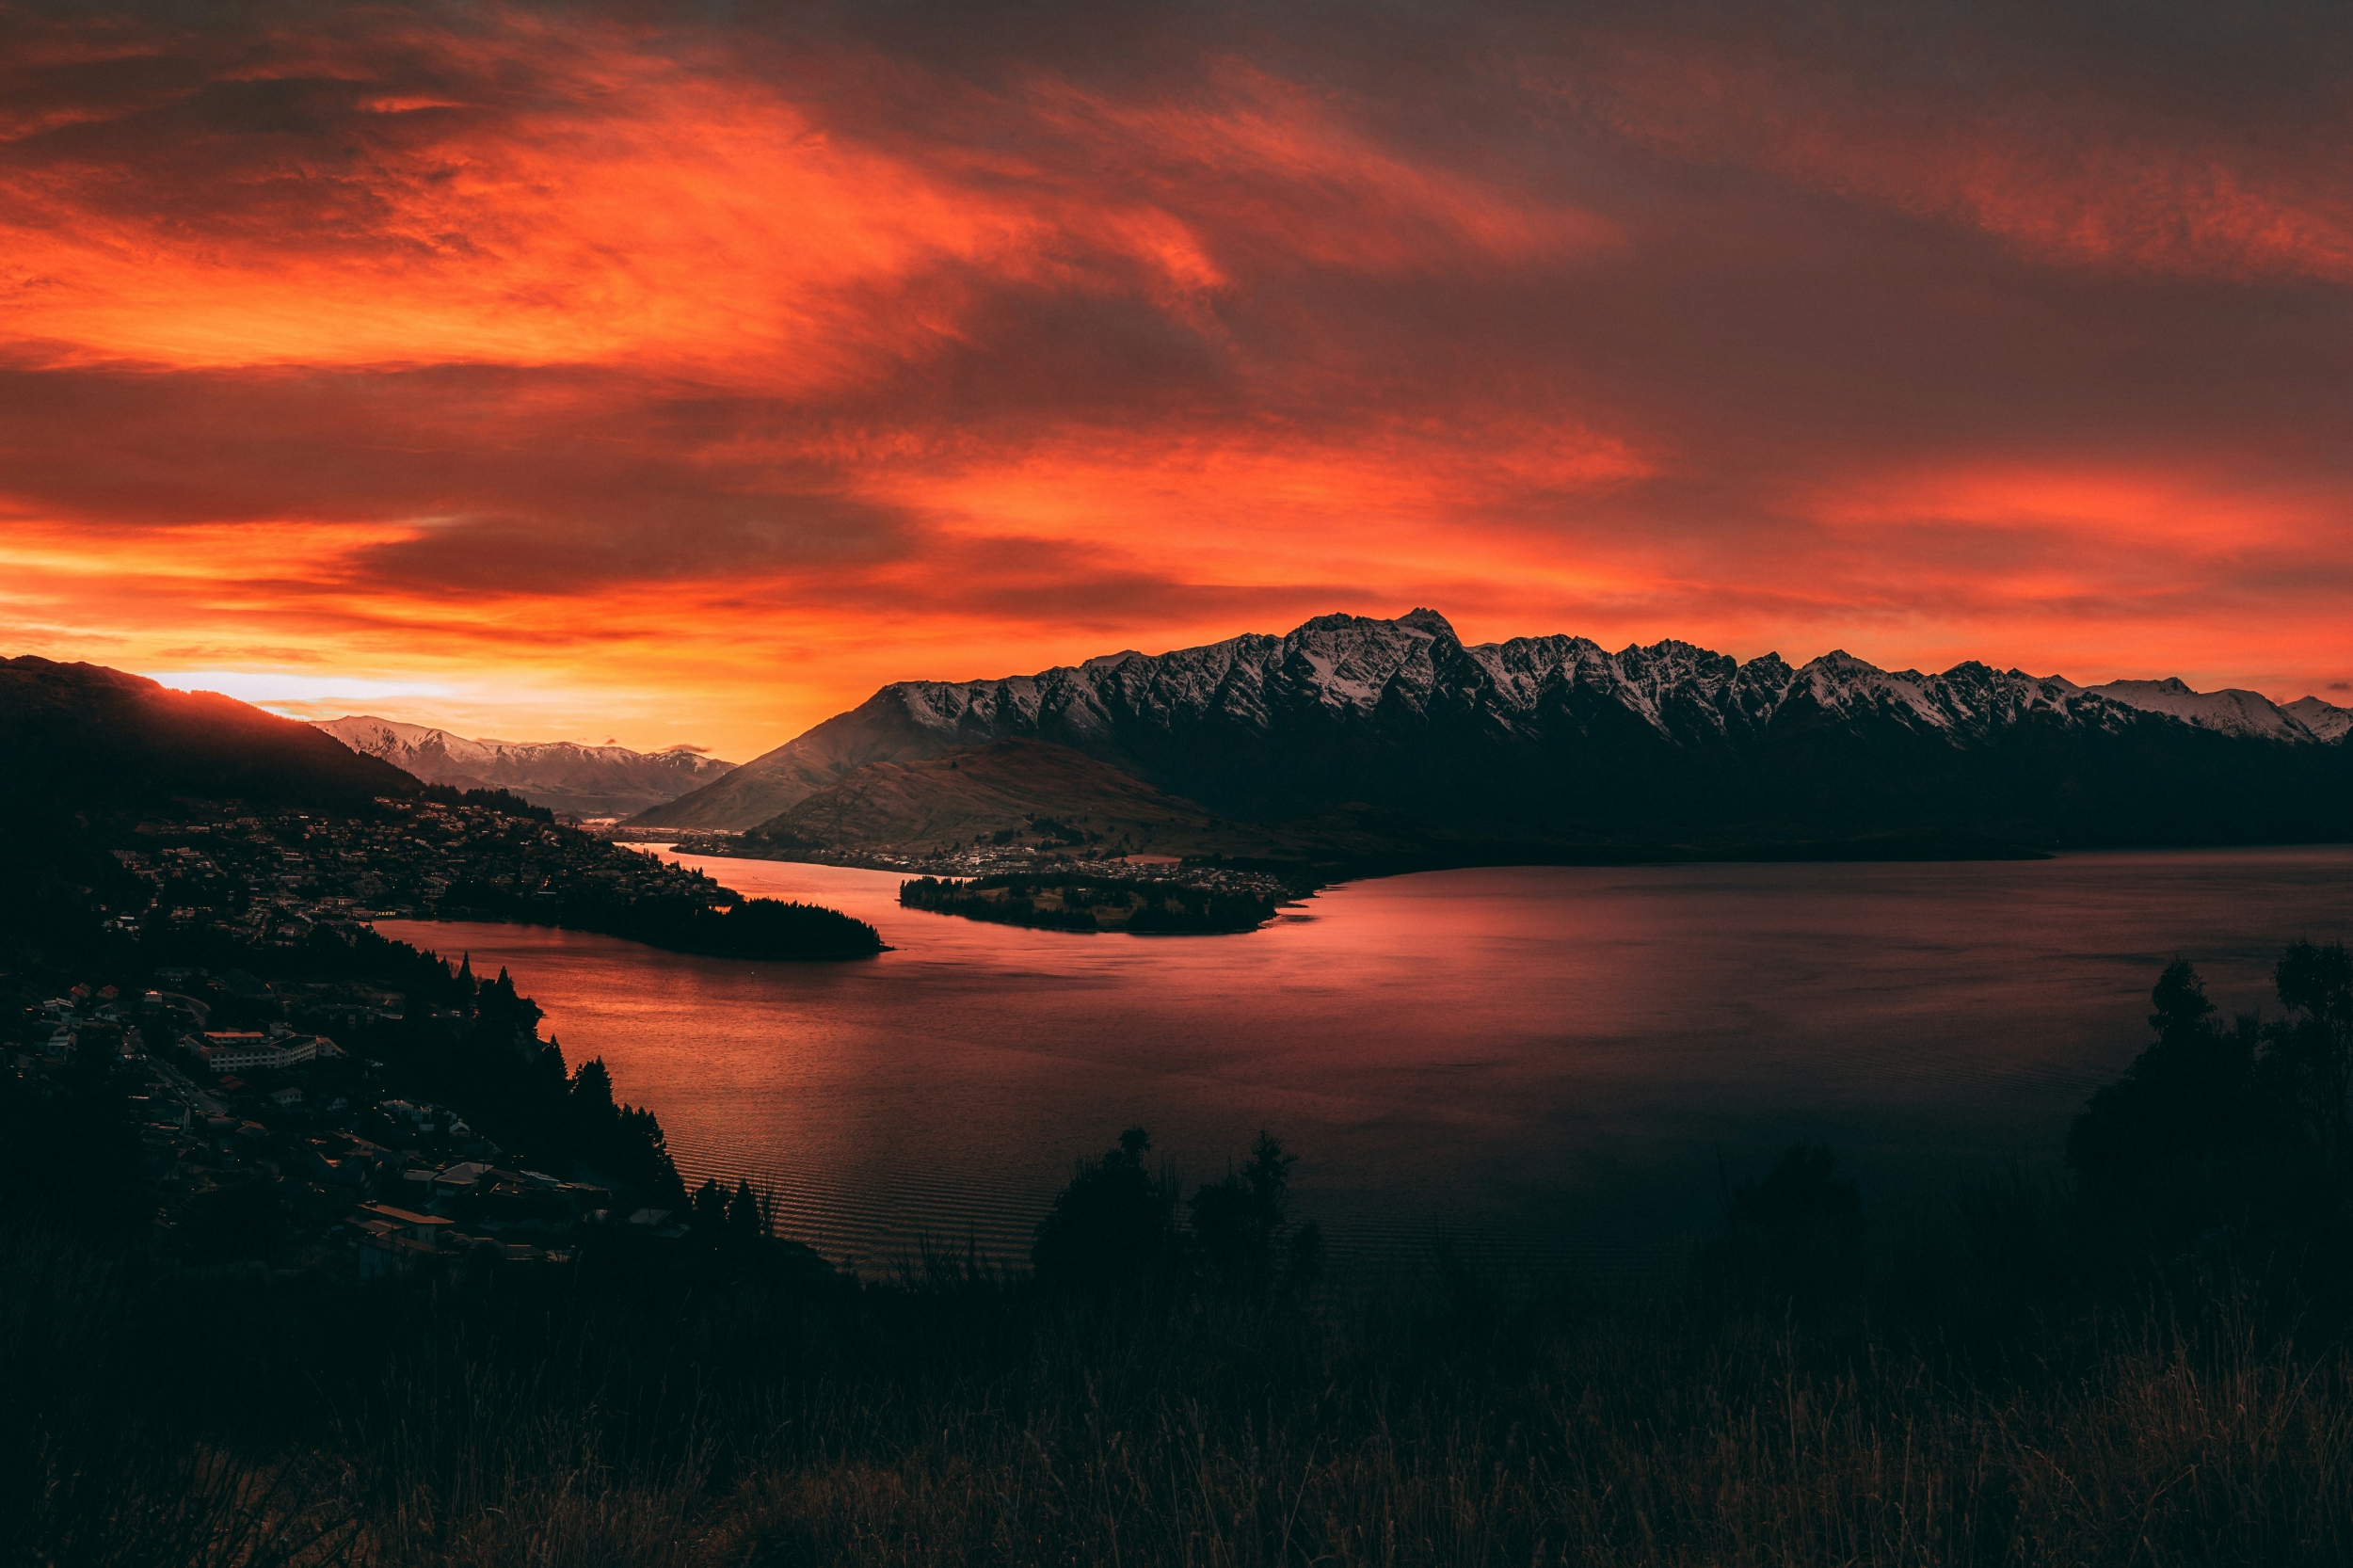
(366,1184)
(265,1093)
(401,1211)
(278,880)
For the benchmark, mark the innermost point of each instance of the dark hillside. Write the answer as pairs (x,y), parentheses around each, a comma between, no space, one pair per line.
(1007,790)
(100,771)
(75,737)
(86,751)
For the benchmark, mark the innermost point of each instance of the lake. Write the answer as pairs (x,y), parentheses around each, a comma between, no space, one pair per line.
(1548,1061)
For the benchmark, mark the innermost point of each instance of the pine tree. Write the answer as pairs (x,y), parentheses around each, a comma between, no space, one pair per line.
(744,1225)
(710,1210)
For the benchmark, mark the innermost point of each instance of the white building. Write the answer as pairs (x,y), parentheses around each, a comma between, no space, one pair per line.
(228,1051)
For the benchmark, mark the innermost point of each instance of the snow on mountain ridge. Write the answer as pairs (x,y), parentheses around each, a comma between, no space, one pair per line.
(567,774)
(1259,719)
(1354,665)
(2325,720)
(388,738)
(2231,711)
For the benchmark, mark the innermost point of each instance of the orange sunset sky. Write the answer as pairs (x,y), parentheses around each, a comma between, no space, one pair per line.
(680,375)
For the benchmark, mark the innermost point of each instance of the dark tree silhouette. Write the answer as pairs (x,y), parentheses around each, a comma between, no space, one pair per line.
(504,1019)
(1112,1228)
(746,1223)
(619,1141)
(2307,1056)
(1799,1232)
(2191,1093)
(709,1216)
(1238,1222)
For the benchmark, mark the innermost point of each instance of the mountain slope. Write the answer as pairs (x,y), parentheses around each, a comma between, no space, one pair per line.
(878,731)
(1036,794)
(1557,736)
(1016,788)
(76,737)
(562,775)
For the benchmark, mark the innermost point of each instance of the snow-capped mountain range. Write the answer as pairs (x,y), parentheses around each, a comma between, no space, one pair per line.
(2234,711)
(590,781)
(1557,733)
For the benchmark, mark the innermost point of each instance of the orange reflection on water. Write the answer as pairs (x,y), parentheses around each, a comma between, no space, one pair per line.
(1548,1059)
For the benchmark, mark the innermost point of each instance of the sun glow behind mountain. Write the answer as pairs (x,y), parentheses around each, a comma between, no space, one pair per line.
(536,371)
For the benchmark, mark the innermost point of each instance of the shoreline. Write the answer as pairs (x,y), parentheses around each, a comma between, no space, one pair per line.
(1921,848)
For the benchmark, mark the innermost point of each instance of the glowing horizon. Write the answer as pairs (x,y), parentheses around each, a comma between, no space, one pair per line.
(623,371)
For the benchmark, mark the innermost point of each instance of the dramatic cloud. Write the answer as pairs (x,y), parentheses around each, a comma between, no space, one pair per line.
(660,373)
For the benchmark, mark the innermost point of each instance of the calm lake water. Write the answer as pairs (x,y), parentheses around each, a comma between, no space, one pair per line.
(1548,1061)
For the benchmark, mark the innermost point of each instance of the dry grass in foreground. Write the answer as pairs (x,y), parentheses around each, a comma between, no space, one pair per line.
(1989,1390)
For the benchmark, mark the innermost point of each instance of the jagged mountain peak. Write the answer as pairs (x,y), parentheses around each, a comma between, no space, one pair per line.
(1839,663)
(1421,619)
(1422,623)
(1673,655)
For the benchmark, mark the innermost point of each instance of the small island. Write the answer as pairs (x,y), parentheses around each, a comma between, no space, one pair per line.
(1046,902)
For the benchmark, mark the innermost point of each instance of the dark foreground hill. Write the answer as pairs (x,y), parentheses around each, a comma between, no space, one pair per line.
(86,752)
(271,824)
(81,737)
(1553,739)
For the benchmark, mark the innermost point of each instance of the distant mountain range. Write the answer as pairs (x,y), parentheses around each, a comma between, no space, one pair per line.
(1348,741)
(563,776)
(1555,738)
